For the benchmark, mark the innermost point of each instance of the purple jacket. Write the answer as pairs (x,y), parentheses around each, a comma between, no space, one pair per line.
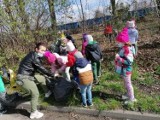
(84,43)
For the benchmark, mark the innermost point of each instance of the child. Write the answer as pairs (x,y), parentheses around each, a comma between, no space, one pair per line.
(94,54)
(86,78)
(123,63)
(5,99)
(133,34)
(60,64)
(72,51)
(108,31)
(84,43)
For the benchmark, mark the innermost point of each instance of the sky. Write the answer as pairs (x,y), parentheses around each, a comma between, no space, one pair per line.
(89,7)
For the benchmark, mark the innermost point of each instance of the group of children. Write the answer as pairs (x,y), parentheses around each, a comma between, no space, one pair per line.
(85,65)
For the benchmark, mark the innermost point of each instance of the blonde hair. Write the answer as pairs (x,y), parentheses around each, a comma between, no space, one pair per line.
(128,44)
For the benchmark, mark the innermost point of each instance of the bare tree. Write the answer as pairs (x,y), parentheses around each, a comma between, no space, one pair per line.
(23,15)
(8,10)
(113,4)
(98,14)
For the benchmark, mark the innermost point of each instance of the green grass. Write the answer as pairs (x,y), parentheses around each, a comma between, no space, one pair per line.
(135,72)
(158,70)
(148,79)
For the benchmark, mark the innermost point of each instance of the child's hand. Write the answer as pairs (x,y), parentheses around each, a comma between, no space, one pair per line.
(117,56)
(56,74)
(101,60)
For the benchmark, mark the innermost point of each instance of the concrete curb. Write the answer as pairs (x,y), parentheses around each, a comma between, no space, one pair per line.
(114,114)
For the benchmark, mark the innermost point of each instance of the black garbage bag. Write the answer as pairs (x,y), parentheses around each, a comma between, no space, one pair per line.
(61,88)
(7,101)
(12,101)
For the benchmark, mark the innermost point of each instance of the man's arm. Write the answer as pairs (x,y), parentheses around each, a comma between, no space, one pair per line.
(41,68)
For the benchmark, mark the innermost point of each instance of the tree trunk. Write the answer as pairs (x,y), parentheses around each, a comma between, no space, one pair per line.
(82,16)
(113,3)
(52,14)
(158,4)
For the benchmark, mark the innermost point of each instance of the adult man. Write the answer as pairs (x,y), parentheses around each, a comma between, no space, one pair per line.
(31,64)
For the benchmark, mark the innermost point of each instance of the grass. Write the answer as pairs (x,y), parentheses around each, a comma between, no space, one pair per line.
(157,70)
(148,79)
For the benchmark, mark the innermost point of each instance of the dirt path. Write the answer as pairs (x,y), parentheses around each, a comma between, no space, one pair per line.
(20,114)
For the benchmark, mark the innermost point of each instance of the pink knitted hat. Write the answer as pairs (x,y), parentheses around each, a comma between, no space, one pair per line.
(50,57)
(123,36)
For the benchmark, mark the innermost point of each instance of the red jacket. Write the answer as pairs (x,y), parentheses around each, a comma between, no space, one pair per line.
(108,29)
(71,60)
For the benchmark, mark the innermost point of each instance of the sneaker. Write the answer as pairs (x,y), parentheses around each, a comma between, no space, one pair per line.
(84,105)
(90,105)
(125,97)
(96,82)
(36,114)
(48,94)
(130,101)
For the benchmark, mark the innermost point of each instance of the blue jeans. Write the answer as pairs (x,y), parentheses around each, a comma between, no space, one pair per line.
(86,89)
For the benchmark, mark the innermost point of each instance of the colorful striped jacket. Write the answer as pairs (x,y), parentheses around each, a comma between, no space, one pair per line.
(124,60)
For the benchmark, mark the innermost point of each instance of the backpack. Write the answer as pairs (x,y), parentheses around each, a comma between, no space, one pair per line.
(94,55)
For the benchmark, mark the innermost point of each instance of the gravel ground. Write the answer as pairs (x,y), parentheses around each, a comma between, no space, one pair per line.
(21,114)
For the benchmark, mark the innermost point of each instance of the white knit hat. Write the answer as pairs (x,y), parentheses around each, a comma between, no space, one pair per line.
(131,24)
(70,46)
(89,38)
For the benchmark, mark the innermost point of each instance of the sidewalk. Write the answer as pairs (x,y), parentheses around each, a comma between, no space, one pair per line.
(114,114)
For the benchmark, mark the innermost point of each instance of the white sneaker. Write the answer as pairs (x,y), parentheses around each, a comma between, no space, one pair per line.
(130,101)
(48,94)
(125,97)
(36,114)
